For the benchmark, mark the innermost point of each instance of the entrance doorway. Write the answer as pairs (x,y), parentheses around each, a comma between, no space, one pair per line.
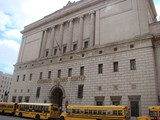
(57,95)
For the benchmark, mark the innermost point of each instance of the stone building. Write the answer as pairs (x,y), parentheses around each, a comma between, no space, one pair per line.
(5,86)
(92,52)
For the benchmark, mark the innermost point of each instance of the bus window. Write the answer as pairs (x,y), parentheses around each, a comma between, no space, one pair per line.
(119,112)
(99,112)
(114,112)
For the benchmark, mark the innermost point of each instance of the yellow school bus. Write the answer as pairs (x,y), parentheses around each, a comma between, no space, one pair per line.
(7,107)
(154,113)
(96,113)
(38,110)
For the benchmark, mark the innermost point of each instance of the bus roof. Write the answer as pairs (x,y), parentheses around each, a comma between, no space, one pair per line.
(154,107)
(7,103)
(98,107)
(39,104)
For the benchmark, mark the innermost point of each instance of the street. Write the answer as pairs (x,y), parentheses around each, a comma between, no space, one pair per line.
(7,117)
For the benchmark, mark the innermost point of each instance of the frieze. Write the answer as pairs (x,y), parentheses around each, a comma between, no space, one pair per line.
(44,81)
(60,80)
(78,78)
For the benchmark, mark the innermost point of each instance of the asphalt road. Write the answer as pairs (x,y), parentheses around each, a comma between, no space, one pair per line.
(7,117)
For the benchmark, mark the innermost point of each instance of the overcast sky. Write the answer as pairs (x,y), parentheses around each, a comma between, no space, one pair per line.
(14,15)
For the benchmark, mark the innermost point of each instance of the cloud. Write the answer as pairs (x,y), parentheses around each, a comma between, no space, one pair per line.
(12,33)
(4,21)
(8,54)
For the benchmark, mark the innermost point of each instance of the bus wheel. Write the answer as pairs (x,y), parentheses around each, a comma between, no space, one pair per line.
(61,118)
(20,114)
(37,117)
(3,112)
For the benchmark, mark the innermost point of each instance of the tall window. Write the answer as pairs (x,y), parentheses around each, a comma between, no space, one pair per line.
(55,51)
(133,64)
(59,74)
(100,68)
(38,92)
(134,108)
(40,75)
(74,47)
(47,52)
(115,66)
(82,70)
(49,74)
(24,77)
(80,91)
(86,44)
(17,78)
(64,49)
(30,76)
(69,72)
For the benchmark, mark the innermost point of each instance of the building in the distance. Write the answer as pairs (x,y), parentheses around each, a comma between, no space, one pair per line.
(92,52)
(5,86)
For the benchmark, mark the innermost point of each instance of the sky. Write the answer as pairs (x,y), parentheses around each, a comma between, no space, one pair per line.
(15,14)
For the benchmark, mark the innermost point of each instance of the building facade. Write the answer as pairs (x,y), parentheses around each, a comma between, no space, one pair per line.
(5,86)
(92,52)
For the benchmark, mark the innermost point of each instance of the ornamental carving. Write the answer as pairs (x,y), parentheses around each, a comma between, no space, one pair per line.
(60,80)
(78,78)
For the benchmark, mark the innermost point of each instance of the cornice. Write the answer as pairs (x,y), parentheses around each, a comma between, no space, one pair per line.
(61,13)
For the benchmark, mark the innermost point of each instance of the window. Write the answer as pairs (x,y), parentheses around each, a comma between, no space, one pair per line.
(69,72)
(17,78)
(13,98)
(100,68)
(132,46)
(30,76)
(38,92)
(47,51)
(64,49)
(115,66)
(27,98)
(49,74)
(74,47)
(99,100)
(80,91)
(20,99)
(115,100)
(40,75)
(55,51)
(86,44)
(24,77)
(59,74)
(82,70)
(133,64)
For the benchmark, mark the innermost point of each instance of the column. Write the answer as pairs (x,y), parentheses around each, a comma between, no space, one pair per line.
(80,40)
(92,30)
(97,28)
(60,42)
(43,45)
(52,41)
(69,45)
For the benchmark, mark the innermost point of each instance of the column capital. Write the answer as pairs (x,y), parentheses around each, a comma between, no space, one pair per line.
(52,27)
(92,12)
(70,20)
(81,16)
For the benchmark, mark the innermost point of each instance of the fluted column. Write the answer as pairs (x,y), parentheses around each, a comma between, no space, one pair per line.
(69,45)
(52,41)
(60,42)
(80,40)
(92,29)
(43,44)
